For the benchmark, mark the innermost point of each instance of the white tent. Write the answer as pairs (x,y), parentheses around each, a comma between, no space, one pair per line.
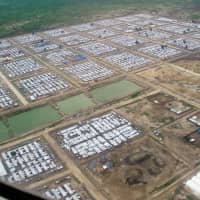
(3,171)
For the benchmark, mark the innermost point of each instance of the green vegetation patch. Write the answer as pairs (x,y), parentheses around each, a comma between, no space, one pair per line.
(3,132)
(32,119)
(28,15)
(167,184)
(114,91)
(75,104)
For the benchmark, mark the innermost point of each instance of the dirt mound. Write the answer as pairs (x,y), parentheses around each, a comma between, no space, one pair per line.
(137,158)
(159,162)
(134,176)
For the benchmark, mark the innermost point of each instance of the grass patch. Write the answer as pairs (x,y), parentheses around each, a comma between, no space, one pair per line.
(75,104)
(168,183)
(114,91)
(32,119)
(135,95)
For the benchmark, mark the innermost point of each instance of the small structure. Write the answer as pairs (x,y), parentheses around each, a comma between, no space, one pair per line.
(193,184)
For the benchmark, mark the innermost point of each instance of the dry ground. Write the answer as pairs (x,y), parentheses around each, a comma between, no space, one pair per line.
(150,115)
(150,166)
(173,136)
(178,81)
(191,63)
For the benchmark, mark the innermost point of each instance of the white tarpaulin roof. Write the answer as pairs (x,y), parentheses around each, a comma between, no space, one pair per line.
(194,184)
(3,171)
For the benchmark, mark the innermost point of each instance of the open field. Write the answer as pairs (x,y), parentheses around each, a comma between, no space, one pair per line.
(176,80)
(191,63)
(114,90)
(156,111)
(174,136)
(134,170)
(28,16)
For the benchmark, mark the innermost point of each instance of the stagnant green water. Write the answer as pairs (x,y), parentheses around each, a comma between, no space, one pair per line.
(17,16)
(75,104)
(23,122)
(3,132)
(115,90)
(36,118)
